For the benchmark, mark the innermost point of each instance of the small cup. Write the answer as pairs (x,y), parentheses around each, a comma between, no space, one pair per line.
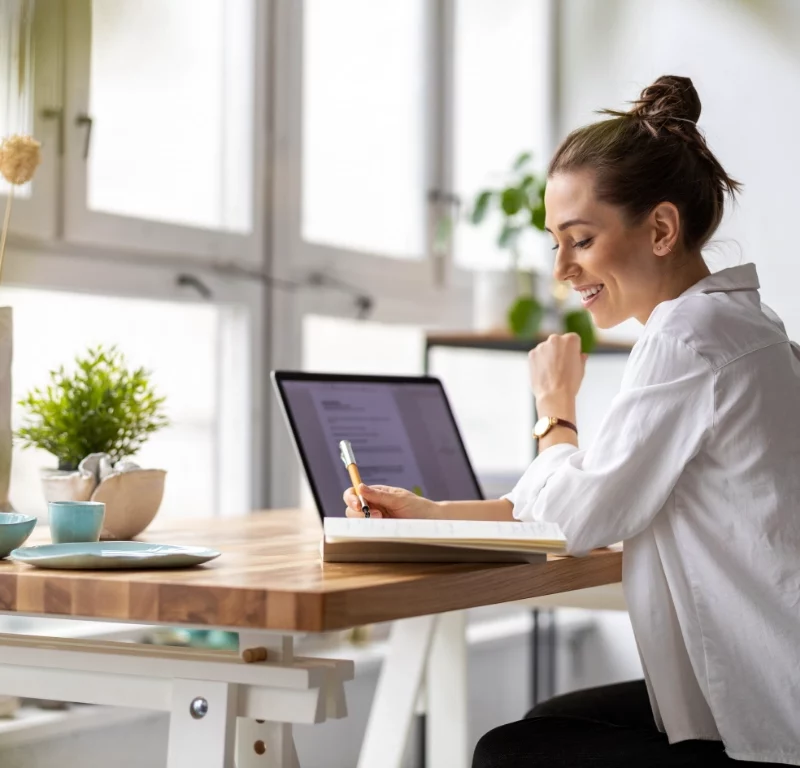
(75,521)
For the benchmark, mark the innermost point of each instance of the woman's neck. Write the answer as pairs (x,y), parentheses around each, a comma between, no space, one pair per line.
(676,280)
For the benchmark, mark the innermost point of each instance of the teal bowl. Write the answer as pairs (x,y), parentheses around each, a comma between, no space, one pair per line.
(14,531)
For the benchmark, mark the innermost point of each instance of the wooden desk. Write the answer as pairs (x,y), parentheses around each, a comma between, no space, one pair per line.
(268,584)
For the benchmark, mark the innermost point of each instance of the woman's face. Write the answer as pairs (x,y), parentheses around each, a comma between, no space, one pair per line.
(611,263)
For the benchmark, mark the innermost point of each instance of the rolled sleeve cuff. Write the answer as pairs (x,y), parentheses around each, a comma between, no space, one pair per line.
(523,496)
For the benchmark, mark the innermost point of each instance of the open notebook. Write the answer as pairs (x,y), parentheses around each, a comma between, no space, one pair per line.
(369,540)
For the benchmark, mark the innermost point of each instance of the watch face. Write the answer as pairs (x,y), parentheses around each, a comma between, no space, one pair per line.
(542,427)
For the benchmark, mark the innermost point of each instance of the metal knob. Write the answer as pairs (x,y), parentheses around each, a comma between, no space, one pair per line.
(198,709)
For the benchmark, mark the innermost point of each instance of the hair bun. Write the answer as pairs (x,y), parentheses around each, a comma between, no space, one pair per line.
(668,98)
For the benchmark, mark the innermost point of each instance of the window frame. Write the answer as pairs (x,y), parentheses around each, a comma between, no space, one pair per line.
(82,225)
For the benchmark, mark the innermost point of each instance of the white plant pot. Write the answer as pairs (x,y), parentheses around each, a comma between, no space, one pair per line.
(494,292)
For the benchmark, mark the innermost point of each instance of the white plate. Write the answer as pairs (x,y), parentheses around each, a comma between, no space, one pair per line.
(106,555)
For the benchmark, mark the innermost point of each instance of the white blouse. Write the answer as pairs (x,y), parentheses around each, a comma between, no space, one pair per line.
(697,470)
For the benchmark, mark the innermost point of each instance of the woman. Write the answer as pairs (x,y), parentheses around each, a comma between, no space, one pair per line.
(695,468)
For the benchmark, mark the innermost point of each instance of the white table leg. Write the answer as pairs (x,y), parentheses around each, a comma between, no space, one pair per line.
(395,699)
(446,694)
(265,745)
(202,724)
(261,744)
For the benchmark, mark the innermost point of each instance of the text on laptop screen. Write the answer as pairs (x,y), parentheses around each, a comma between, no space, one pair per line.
(402,435)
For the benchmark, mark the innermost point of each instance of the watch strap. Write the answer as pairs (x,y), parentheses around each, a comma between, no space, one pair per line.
(555,421)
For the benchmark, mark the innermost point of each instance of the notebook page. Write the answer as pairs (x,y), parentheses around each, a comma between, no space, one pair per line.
(462,531)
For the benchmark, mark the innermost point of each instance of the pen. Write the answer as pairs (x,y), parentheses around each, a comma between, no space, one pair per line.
(349,460)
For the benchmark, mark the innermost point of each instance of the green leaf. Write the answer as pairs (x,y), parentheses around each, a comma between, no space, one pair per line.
(508,235)
(481,206)
(580,321)
(538,217)
(512,200)
(101,407)
(525,316)
(522,160)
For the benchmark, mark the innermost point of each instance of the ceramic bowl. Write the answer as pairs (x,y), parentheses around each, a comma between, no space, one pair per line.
(14,531)
(132,500)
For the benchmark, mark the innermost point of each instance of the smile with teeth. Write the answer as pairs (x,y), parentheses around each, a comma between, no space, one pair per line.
(588,295)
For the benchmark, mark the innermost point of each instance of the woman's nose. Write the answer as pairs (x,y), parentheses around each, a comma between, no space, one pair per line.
(564,268)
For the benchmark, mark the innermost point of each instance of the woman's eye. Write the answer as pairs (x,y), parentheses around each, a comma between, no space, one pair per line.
(584,243)
(555,247)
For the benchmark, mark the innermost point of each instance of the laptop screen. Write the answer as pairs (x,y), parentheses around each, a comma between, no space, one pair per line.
(402,431)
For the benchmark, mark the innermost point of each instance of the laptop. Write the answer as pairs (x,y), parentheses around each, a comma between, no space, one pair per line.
(402,430)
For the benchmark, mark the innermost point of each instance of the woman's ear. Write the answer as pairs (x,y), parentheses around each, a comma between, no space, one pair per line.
(666,227)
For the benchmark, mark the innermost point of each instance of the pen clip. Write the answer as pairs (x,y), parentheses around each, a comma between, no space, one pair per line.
(346,453)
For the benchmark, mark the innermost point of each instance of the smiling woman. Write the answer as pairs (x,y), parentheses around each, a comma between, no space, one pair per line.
(642,184)
(693,467)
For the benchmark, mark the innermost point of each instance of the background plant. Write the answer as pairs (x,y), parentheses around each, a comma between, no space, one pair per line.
(520,203)
(102,406)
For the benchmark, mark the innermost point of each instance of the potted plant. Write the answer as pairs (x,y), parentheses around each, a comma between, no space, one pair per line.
(93,420)
(520,203)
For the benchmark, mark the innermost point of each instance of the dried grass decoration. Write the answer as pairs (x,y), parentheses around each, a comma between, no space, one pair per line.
(19,158)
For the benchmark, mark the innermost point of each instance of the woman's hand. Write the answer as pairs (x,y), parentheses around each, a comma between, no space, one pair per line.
(557,367)
(386,501)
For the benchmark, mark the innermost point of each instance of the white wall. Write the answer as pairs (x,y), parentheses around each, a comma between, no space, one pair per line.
(744,59)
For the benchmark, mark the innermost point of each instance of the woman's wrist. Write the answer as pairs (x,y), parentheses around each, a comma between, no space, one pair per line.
(556,404)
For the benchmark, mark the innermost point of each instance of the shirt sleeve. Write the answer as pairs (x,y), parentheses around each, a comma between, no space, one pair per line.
(614,489)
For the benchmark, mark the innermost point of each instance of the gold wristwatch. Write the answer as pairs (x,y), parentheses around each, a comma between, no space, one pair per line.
(546,423)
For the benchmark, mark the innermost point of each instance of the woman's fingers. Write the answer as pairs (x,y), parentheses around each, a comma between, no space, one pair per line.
(385,495)
(373,513)
(353,504)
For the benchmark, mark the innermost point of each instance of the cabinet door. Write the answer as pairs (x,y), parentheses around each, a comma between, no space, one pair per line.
(160,126)
(30,103)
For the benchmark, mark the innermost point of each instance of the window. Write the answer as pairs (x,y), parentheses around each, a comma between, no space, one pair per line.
(364,126)
(160,104)
(169,100)
(356,121)
(501,84)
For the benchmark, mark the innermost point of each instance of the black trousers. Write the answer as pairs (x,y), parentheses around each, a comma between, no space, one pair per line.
(607,727)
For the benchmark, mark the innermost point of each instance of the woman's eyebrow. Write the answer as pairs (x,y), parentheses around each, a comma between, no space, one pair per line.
(569,223)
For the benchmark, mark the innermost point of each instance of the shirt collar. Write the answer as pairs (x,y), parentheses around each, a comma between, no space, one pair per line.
(743,278)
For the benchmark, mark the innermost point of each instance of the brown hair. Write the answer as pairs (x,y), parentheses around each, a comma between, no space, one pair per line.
(652,154)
